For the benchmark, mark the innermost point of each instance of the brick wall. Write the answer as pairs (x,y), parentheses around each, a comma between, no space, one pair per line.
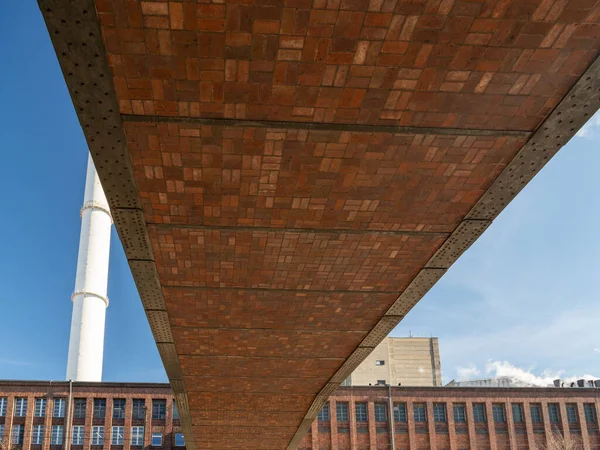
(451,435)
(410,434)
(89,391)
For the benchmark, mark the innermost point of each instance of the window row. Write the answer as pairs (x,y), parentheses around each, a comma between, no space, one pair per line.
(78,435)
(460,414)
(159,408)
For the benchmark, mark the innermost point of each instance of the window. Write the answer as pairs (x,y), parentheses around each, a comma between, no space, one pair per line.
(536,413)
(40,407)
(118,435)
(517,411)
(324,413)
(479,413)
(380,362)
(99,408)
(1,432)
(420,412)
(553,413)
(118,408)
(179,440)
(175,411)
(56,438)
(380,382)
(439,412)
(139,408)
(59,407)
(572,416)
(590,413)
(341,410)
(156,439)
(159,409)
(498,412)
(381,412)
(137,436)
(20,407)
(18,432)
(98,435)
(37,435)
(400,412)
(440,417)
(77,438)
(3,402)
(361,412)
(460,412)
(79,408)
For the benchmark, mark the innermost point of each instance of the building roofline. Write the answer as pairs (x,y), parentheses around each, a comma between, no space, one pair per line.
(435,390)
(411,337)
(86,384)
(454,390)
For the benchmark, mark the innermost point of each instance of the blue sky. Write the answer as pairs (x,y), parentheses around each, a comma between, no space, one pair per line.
(44,158)
(524,298)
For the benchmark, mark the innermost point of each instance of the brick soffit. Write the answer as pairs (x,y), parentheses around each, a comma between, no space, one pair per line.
(75,32)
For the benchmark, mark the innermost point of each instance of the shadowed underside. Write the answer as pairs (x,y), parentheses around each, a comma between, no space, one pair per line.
(289,178)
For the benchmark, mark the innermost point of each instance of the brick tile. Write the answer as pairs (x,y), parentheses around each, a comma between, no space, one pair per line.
(288,260)
(211,401)
(264,310)
(254,418)
(265,343)
(391,40)
(246,367)
(290,384)
(296,178)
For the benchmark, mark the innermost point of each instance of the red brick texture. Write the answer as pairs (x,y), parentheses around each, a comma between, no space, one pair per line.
(280,246)
(482,64)
(226,176)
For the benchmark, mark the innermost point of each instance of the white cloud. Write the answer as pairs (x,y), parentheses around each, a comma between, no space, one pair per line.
(591,129)
(597,350)
(518,375)
(467,373)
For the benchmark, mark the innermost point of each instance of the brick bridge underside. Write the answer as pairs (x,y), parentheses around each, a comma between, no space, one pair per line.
(289,177)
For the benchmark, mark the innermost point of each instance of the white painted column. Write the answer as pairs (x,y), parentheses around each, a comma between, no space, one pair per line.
(86,344)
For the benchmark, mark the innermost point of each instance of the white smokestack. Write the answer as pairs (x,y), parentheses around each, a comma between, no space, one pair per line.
(86,345)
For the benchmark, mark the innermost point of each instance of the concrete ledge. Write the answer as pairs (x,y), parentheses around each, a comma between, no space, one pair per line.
(415,291)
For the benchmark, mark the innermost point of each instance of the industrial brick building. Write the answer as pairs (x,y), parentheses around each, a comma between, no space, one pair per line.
(454,418)
(34,415)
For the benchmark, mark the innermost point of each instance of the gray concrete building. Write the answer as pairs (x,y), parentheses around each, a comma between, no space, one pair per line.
(407,361)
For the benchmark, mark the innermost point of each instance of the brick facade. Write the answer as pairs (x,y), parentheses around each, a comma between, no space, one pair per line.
(436,432)
(449,434)
(51,391)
